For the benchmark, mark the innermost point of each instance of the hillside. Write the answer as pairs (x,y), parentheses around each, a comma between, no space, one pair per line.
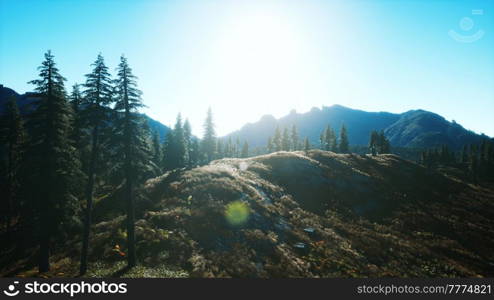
(23,101)
(315,214)
(419,128)
(414,129)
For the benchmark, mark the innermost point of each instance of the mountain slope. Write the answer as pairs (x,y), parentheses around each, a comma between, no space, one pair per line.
(324,214)
(24,101)
(417,128)
(310,124)
(295,214)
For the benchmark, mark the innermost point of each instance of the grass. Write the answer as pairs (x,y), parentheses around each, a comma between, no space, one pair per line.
(103,270)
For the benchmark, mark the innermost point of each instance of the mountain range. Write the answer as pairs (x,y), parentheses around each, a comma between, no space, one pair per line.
(411,129)
(24,101)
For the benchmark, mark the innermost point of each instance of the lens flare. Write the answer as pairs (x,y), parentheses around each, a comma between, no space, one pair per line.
(237,213)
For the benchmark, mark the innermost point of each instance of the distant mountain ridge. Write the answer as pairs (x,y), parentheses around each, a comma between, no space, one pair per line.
(24,101)
(414,128)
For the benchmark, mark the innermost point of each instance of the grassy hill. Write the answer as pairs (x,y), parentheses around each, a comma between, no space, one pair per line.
(315,214)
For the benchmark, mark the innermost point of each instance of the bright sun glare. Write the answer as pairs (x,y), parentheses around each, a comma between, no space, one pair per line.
(261,62)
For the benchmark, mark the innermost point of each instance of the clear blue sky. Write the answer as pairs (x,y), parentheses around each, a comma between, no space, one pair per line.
(250,58)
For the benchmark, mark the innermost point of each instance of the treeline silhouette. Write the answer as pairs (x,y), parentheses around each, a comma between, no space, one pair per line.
(476,160)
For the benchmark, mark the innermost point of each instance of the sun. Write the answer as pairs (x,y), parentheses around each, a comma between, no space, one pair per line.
(259,49)
(258,59)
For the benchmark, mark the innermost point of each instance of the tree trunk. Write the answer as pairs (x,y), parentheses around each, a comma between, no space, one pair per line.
(131,255)
(130,224)
(44,253)
(89,204)
(10,183)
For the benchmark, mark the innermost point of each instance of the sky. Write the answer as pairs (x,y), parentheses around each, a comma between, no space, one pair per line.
(245,59)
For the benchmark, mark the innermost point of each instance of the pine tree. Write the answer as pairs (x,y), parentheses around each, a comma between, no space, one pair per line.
(188,141)
(306,145)
(270,146)
(285,140)
(132,147)
(229,148)
(220,151)
(322,139)
(373,142)
(51,157)
(295,138)
(78,134)
(168,149)
(333,142)
(483,153)
(177,154)
(464,154)
(383,145)
(209,139)
(238,149)
(344,143)
(329,143)
(12,138)
(245,150)
(194,153)
(96,114)
(328,136)
(156,147)
(473,163)
(277,140)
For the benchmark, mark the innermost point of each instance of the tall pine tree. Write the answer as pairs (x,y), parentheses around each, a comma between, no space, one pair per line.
(209,139)
(333,141)
(52,160)
(295,138)
(131,144)
(78,134)
(373,142)
(285,140)
(156,147)
(96,114)
(277,140)
(177,155)
(188,142)
(344,143)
